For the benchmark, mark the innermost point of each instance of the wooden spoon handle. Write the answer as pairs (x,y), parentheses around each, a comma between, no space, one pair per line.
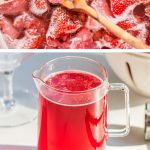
(116,30)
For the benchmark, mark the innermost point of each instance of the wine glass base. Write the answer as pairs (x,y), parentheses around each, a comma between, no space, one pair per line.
(23,112)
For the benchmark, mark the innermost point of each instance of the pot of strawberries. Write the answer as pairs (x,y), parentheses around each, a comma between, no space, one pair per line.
(33,24)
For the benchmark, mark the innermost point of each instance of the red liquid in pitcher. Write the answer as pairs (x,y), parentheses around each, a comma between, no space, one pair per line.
(81,124)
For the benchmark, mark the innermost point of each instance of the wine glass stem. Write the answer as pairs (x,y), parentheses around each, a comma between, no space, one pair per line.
(8,90)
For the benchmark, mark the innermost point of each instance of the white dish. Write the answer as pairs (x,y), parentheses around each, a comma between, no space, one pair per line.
(133,69)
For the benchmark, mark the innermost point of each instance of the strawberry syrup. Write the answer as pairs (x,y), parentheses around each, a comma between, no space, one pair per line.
(75,126)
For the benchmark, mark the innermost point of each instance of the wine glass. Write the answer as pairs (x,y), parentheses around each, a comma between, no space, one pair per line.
(17,107)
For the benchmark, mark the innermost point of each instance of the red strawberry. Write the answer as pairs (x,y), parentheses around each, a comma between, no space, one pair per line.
(12,7)
(97,35)
(34,30)
(55,43)
(34,25)
(34,42)
(39,7)
(62,23)
(51,43)
(147,10)
(19,23)
(30,42)
(83,40)
(111,39)
(31,24)
(8,29)
(126,24)
(119,6)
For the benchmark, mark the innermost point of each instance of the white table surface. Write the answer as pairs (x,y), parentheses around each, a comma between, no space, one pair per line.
(25,137)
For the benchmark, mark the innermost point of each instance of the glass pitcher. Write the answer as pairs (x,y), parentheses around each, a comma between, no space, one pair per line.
(75,119)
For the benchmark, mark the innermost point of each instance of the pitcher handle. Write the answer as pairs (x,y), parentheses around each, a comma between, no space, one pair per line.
(121,132)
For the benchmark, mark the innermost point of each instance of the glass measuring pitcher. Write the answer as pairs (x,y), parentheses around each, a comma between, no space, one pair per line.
(73,105)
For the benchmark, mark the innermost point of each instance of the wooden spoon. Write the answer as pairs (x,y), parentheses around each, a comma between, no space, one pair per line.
(81,5)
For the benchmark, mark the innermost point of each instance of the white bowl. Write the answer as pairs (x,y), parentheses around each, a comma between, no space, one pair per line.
(133,69)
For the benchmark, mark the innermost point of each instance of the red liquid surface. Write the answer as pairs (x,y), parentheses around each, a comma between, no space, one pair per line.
(73,127)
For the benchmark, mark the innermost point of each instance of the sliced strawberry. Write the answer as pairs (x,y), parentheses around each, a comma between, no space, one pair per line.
(55,43)
(8,29)
(34,42)
(108,37)
(34,25)
(104,39)
(30,24)
(62,23)
(12,7)
(39,7)
(19,23)
(139,13)
(147,9)
(30,42)
(83,40)
(34,30)
(126,24)
(119,6)
(97,35)
(51,43)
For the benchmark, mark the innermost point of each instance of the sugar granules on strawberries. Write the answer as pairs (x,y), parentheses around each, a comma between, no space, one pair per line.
(46,24)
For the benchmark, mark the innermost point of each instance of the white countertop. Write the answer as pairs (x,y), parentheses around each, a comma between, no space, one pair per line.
(25,137)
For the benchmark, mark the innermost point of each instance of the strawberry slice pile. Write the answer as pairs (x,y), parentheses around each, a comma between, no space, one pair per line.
(46,24)
(129,15)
